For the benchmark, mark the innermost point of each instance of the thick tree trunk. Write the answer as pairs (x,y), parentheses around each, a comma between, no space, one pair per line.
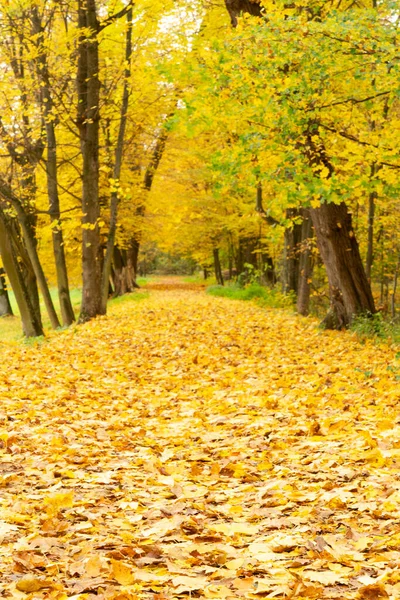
(123,281)
(350,291)
(88,86)
(47,105)
(217,267)
(5,306)
(31,325)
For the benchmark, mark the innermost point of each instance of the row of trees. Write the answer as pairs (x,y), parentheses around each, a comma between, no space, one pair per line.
(273,130)
(82,130)
(293,129)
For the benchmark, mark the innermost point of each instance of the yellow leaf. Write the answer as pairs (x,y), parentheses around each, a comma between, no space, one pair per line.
(324,577)
(31,584)
(121,572)
(57,502)
(93,566)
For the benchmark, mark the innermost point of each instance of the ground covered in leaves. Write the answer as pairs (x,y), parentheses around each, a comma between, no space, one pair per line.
(197,447)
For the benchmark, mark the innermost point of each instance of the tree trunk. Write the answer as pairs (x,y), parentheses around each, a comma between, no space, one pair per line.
(217,267)
(350,291)
(28,274)
(123,281)
(88,86)
(47,105)
(394,290)
(305,265)
(132,258)
(371,220)
(5,306)
(117,168)
(31,325)
(291,256)
(31,249)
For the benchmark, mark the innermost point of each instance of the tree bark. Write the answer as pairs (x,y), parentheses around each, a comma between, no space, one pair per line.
(371,221)
(31,249)
(305,265)
(350,291)
(47,105)
(31,325)
(5,306)
(88,86)
(217,267)
(291,256)
(123,280)
(132,258)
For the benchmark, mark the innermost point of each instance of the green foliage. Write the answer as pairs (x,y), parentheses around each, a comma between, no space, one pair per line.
(126,298)
(268,297)
(375,327)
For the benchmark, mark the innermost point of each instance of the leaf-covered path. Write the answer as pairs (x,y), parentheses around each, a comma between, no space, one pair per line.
(188,446)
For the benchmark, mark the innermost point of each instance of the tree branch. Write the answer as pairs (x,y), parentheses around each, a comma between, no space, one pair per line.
(112,18)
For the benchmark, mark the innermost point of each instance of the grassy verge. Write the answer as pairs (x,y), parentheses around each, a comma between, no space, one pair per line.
(199,279)
(11,328)
(376,327)
(269,297)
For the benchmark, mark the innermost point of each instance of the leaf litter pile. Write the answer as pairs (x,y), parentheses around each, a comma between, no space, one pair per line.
(197,447)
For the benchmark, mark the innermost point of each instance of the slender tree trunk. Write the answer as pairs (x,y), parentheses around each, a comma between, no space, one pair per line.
(5,306)
(88,86)
(132,258)
(305,265)
(117,167)
(32,327)
(371,219)
(47,106)
(394,290)
(291,256)
(217,267)
(31,249)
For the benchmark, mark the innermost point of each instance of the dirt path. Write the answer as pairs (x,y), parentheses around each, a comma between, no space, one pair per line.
(188,446)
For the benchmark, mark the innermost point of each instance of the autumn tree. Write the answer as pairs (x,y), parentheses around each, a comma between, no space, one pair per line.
(305,125)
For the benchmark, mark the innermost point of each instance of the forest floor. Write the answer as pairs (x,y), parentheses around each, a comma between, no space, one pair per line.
(195,447)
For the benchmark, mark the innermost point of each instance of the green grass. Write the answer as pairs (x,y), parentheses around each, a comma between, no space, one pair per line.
(126,298)
(268,297)
(376,327)
(11,328)
(199,279)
